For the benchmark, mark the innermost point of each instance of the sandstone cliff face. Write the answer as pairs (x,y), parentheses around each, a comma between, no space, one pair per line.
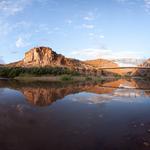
(43,56)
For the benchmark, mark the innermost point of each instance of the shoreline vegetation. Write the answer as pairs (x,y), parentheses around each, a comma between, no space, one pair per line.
(53,74)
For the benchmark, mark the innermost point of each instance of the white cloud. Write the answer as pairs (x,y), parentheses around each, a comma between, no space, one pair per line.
(11,7)
(87,54)
(135,2)
(102,36)
(20,43)
(147,5)
(69,21)
(88,26)
(147,2)
(5,28)
(90,16)
(121,1)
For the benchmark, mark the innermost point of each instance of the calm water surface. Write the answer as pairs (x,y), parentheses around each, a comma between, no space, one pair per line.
(50,116)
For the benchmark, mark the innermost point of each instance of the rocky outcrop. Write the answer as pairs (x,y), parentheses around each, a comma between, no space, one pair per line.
(144,71)
(146,64)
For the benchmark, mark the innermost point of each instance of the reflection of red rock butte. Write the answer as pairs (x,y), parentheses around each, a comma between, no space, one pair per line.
(46,96)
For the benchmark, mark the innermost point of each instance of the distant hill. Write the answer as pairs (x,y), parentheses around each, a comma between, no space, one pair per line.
(102,63)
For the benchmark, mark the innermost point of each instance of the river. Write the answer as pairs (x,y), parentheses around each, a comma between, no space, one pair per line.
(113,115)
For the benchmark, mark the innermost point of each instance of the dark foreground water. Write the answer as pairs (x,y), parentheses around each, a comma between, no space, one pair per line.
(49,116)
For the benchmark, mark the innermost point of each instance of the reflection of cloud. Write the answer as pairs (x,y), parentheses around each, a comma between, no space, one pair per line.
(90,98)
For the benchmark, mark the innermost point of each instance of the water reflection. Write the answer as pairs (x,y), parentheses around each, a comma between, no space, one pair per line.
(85,116)
(43,94)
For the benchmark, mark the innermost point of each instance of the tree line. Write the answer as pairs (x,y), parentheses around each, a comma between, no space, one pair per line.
(12,72)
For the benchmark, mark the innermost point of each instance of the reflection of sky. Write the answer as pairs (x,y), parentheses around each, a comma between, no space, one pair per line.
(92,95)
(1,91)
(10,96)
(124,95)
(90,98)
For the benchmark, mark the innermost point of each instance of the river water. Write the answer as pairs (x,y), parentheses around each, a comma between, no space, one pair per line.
(112,115)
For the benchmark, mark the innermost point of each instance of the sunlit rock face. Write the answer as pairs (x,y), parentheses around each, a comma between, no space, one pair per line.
(44,56)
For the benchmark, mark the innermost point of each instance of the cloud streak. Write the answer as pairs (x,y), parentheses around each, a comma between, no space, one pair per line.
(11,7)
(88,26)
(87,54)
(20,42)
(147,5)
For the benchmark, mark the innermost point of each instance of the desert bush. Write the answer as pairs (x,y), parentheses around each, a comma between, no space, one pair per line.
(12,72)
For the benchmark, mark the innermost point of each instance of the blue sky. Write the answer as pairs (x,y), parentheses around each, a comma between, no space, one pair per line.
(82,29)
